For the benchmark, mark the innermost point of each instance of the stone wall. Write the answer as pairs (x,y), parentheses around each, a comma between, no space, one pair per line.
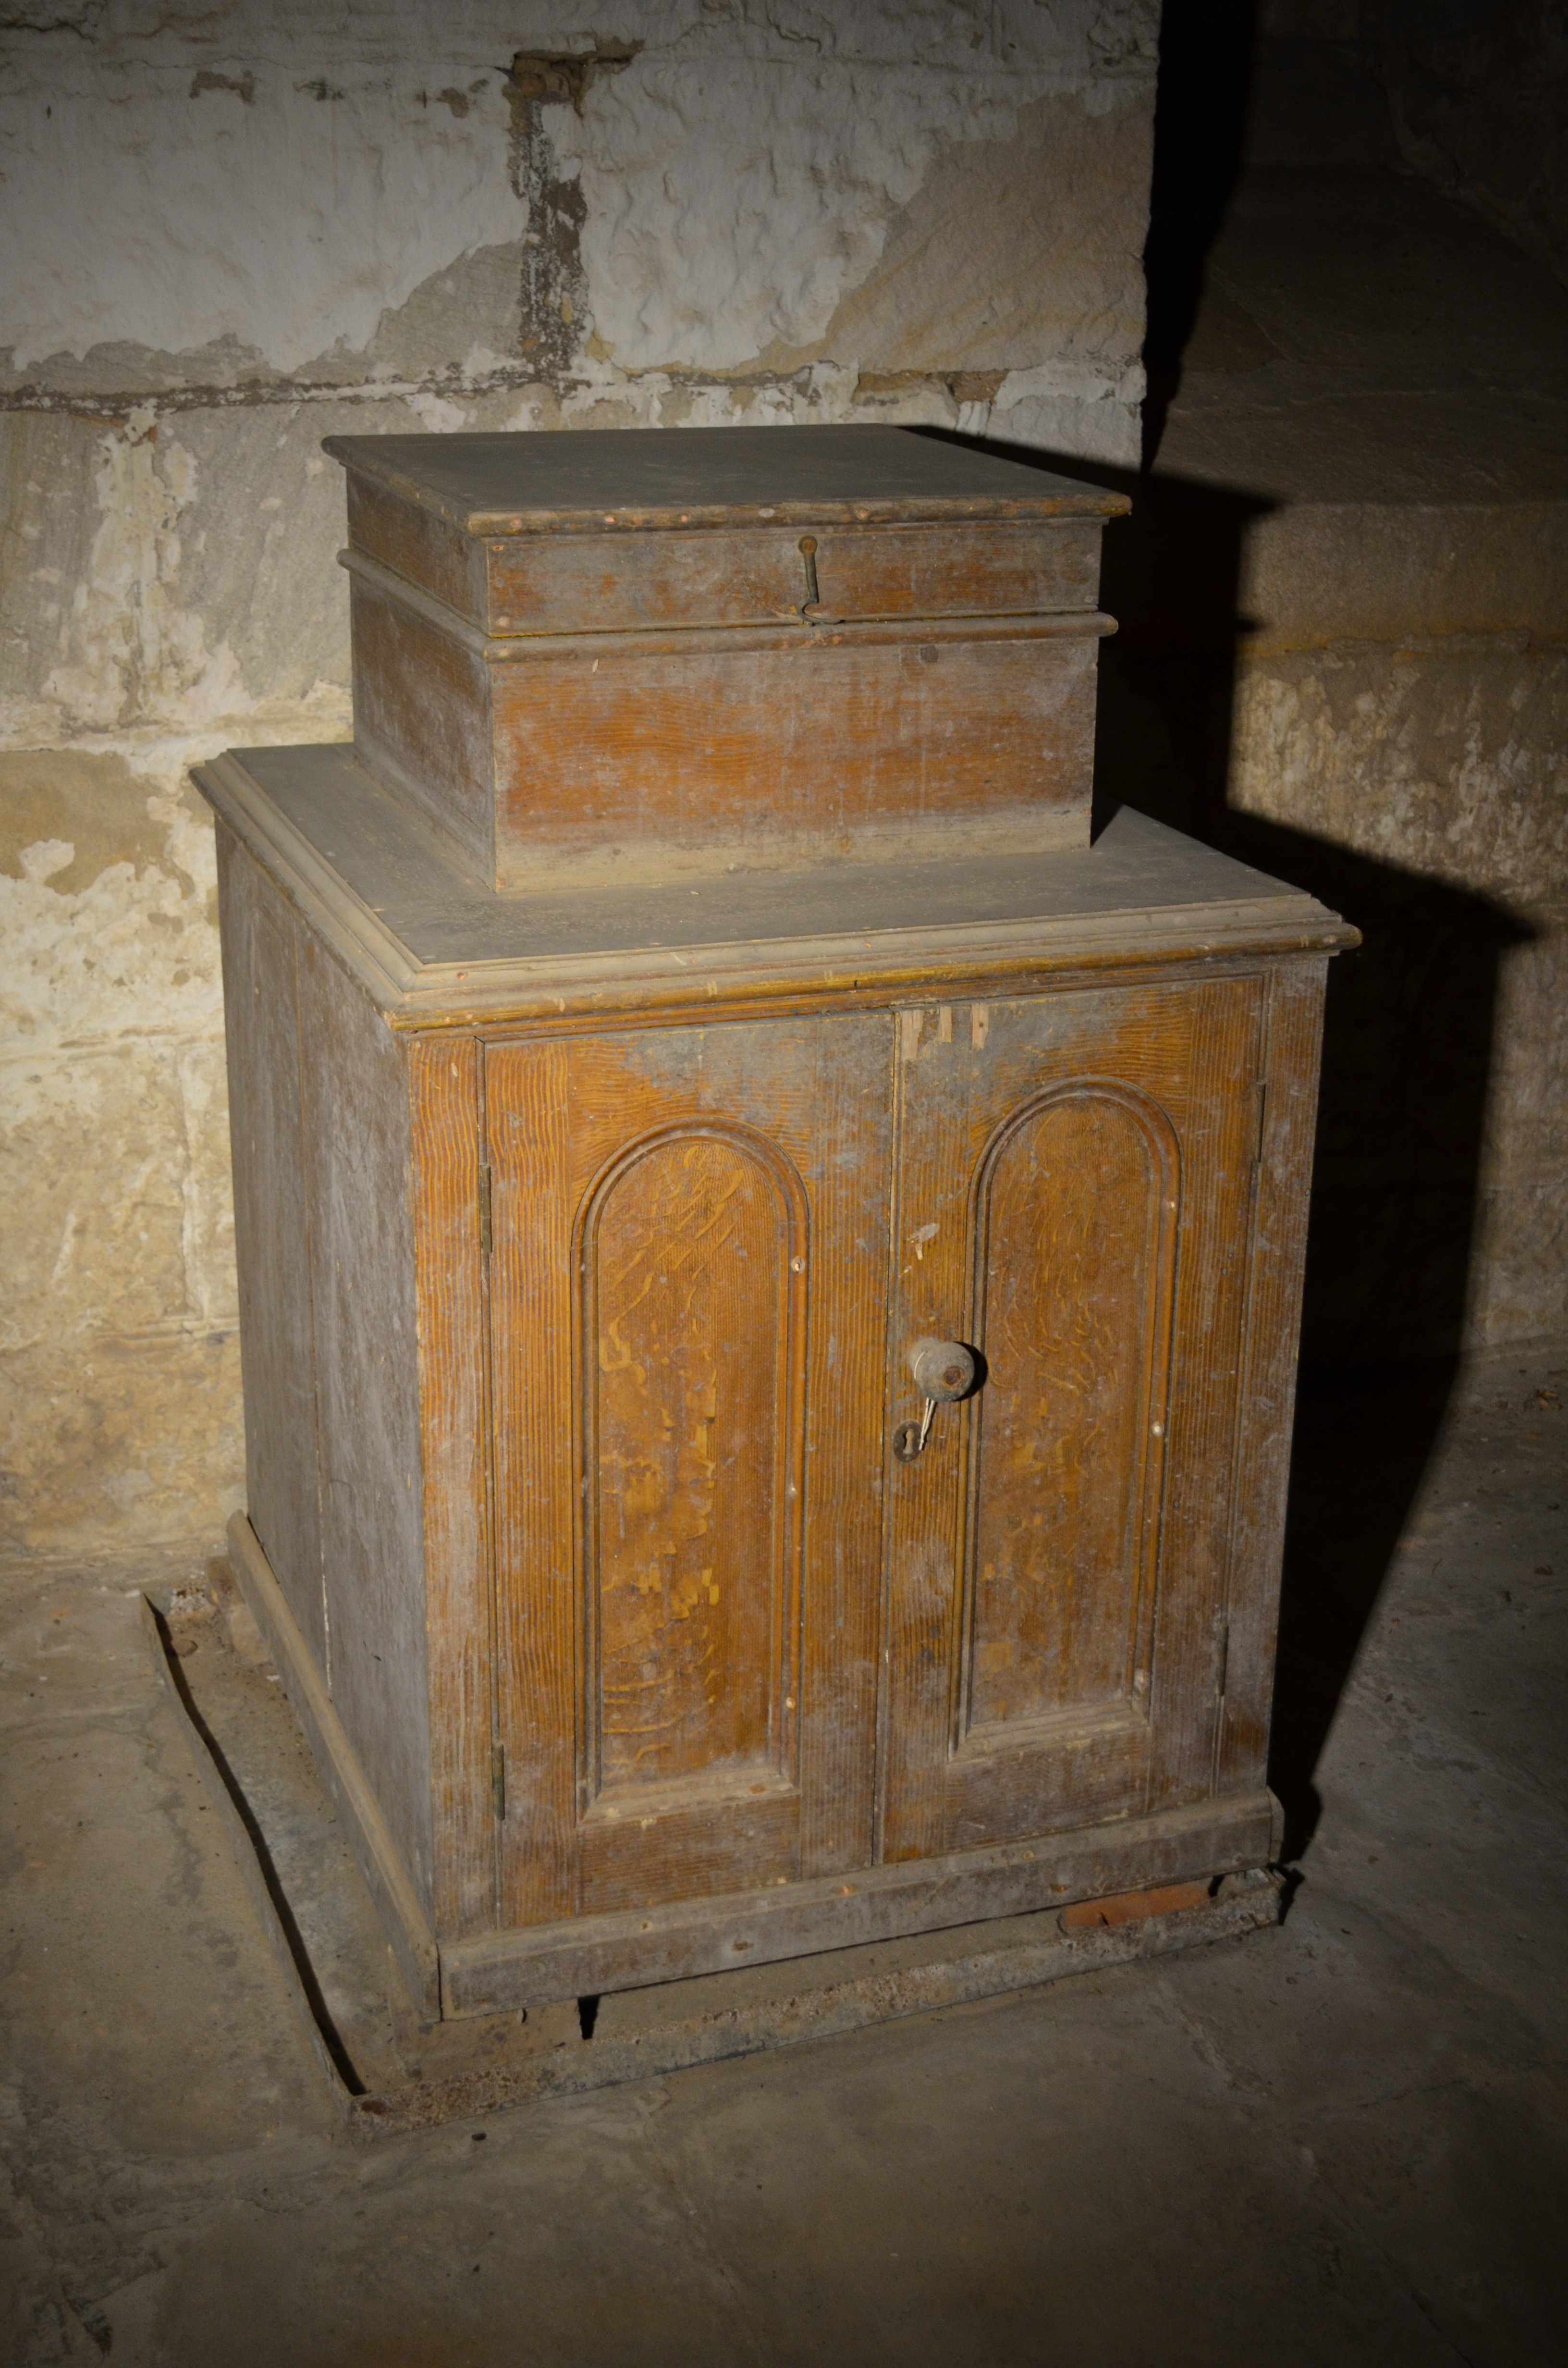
(230,232)
(1344,641)
(1471,97)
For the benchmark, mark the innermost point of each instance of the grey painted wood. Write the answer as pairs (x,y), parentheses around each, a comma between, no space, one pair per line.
(588,1955)
(276,1350)
(654,477)
(401,1912)
(357,1156)
(410,877)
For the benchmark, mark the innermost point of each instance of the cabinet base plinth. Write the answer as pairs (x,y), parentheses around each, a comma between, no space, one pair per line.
(393,2069)
(591,1956)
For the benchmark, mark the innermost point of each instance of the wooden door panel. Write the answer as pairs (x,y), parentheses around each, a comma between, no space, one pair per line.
(1080,1768)
(1074,1228)
(1073,1202)
(641,1853)
(688,1286)
(692,1330)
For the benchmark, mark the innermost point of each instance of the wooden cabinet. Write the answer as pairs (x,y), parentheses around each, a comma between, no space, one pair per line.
(714,1248)
(645,1617)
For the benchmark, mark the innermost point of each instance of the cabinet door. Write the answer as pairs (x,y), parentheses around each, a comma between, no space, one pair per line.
(1075,1200)
(688,1286)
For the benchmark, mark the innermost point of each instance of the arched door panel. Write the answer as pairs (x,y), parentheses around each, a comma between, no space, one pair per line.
(1074,1178)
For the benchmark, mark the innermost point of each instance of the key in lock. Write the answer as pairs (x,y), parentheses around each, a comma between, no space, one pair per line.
(943,1372)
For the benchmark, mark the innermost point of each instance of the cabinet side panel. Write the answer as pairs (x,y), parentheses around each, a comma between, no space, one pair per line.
(1294,1025)
(357,1176)
(444,1095)
(276,1351)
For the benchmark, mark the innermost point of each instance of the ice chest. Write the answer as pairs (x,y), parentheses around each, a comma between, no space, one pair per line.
(715,648)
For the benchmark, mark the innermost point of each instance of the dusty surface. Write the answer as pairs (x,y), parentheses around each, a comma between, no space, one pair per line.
(1343,2141)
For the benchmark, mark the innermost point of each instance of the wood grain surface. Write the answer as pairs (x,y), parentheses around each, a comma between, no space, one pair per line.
(419,545)
(688,1255)
(1074,1231)
(434,945)
(357,1160)
(453,1381)
(624,1602)
(629,1947)
(1056,1199)
(692,1348)
(799,747)
(422,718)
(1293,1026)
(758,744)
(619,583)
(647,480)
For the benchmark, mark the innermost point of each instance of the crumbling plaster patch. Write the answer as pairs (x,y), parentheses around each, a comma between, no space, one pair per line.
(119,1377)
(737,177)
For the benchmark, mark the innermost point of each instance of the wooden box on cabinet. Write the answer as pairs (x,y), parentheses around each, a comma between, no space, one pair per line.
(584,654)
(582,1240)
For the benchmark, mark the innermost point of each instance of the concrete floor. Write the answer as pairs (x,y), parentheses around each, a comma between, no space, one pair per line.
(1341,2142)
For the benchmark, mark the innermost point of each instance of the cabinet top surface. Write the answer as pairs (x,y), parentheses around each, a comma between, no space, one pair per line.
(595,479)
(434,943)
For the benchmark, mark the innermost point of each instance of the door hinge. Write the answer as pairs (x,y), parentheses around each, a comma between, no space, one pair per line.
(498,1781)
(1223,1672)
(484,1230)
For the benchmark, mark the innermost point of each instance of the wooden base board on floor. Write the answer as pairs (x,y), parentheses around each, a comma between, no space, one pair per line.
(393,2068)
(492,1973)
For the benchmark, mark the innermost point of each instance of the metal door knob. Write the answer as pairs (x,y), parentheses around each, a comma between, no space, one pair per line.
(943,1370)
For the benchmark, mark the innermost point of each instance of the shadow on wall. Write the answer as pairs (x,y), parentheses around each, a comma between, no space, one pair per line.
(1407,1059)
(1408,1037)
(1201,98)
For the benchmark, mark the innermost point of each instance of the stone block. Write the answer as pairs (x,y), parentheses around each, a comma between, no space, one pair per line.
(93,1180)
(130,1442)
(1447,759)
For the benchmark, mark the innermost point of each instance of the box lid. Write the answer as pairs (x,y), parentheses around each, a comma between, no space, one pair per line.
(589,480)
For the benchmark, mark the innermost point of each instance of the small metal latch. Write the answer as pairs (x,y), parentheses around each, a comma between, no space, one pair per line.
(944,1371)
(812,609)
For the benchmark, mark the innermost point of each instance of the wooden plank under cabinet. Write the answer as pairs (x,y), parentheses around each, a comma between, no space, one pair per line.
(587,1229)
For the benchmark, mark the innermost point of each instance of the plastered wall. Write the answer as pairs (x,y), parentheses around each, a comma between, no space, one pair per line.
(226,234)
